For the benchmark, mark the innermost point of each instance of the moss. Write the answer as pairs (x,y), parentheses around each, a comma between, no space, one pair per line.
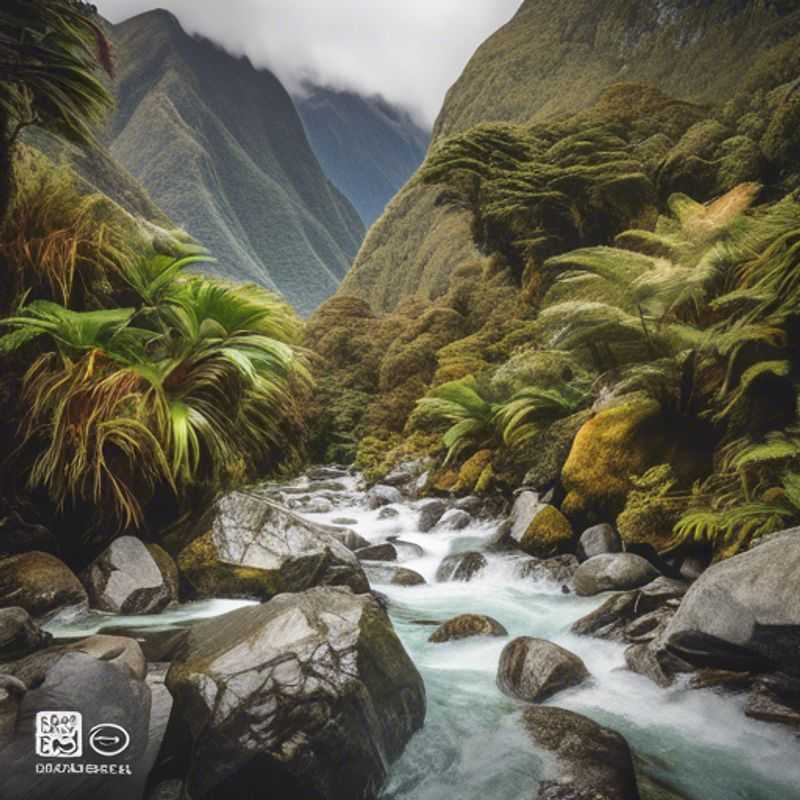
(486,480)
(531,367)
(740,161)
(445,480)
(652,510)
(781,141)
(472,471)
(549,534)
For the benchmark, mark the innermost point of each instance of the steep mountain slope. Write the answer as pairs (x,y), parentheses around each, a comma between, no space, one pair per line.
(367,147)
(556,57)
(221,149)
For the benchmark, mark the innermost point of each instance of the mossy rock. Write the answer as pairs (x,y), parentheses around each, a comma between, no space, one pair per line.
(472,471)
(624,441)
(445,480)
(549,534)
(168,569)
(204,575)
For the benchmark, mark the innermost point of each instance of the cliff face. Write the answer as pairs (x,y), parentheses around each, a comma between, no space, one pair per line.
(367,147)
(557,57)
(221,149)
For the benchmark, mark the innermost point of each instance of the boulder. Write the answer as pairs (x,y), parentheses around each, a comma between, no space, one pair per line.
(466,626)
(330,473)
(380,495)
(460,567)
(453,520)
(346,536)
(472,504)
(430,512)
(259,549)
(744,613)
(592,762)
(169,570)
(775,698)
(387,512)
(125,579)
(525,508)
(41,584)
(104,691)
(397,576)
(309,695)
(403,474)
(613,572)
(406,549)
(378,552)
(534,669)
(548,532)
(560,569)
(597,541)
(19,634)
(317,505)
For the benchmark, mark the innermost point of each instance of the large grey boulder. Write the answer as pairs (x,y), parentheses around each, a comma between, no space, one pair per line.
(91,680)
(525,508)
(744,613)
(453,520)
(19,634)
(591,762)
(259,549)
(613,572)
(380,495)
(559,569)
(430,512)
(309,695)
(41,584)
(597,541)
(384,551)
(534,669)
(125,579)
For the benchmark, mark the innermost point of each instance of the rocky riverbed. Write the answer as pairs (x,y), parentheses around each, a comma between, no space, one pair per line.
(337,641)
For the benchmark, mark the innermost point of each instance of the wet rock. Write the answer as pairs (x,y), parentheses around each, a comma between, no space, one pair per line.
(125,579)
(380,495)
(461,567)
(349,538)
(258,549)
(472,504)
(169,570)
(721,679)
(317,505)
(465,626)
(534,669)
(378,552)
(311,695)
(41,584)
(104,692)
(430,512)
(646,627)
(501,539)
(592,762)
(598,541)
(744,613)
(560,570)
(525,508)
(404,474)
(548,533)
(613,572)
(387,512)
(326,473)
(345,521)
(19,634)
(775,698)
(654,662)
(406,549)
(397,576)
(454,520)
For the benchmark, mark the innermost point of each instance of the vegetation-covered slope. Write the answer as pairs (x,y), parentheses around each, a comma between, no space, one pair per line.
(221,149)
(367,147)
(557,58)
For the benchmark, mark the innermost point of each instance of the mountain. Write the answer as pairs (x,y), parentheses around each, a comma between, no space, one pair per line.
(221,150)
(556,57)
(366,146)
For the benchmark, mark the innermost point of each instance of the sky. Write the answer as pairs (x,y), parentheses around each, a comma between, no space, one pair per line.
(408,51)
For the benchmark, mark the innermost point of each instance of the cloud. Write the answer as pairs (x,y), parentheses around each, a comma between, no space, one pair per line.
(409,51)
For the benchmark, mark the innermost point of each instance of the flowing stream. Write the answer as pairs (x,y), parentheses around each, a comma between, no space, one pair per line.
(472,746)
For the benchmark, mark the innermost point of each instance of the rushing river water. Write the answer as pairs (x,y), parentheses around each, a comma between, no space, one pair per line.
(472,746)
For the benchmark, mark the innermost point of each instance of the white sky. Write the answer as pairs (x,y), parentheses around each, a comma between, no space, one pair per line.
(409,51)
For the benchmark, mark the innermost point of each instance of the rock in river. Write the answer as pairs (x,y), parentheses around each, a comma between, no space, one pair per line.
(19,634)
(744,613)
(614,571)
(258,549)
(430,512)
(379,496)
(591,762)
(41,584)
(126,579)
(461,567)
(465,626)
(398,576)
(534,669)
(309,696)
(598,540)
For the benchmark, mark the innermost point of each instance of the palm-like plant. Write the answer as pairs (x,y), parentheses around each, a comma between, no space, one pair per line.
(196,389)
(50,51)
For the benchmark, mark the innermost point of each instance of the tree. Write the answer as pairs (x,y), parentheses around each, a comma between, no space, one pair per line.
(50,54)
